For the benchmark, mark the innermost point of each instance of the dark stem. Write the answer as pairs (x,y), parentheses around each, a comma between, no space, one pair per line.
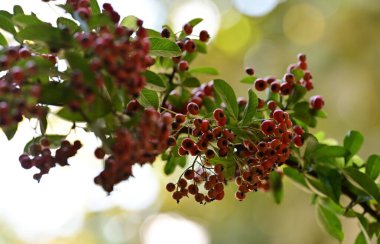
(171,85)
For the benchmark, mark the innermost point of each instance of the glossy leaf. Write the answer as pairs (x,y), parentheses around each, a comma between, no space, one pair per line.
(154,81)
(94,7)
(363,182)
(26,20)
(297,94)
(130,22)
(204,70)
(250,109)
(3,41)
(191,82)
(298,74)
(201,46)
(326,151)
(61,21)
(149,98)
(227,95)
(296,177)
(172,163)
(10,131)
(248,80)
(352,142)
(195,22)
(164,47)
(7,25)
(372,168)
(330,222)
(276,186)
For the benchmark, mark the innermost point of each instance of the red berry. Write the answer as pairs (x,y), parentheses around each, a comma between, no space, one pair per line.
(170,187)
(272,105)
(187,143)
(260,85)
(289,78)
(298,141)
(275,87)
(267,127)
(165,33)
(298,130)
(190,46)
(250,71)
(100,153)
(204,36)
(302,57)
(218,114)
(180,118)
(286,88)
(261,103)
(278,115)
(193,108)
(183,65)
(317,102)
(188,28)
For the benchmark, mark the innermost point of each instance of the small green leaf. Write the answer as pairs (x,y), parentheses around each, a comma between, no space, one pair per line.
(276,186)
(172,163)
(297,177)
(248,80)
(7,25)
(227,95)
(298,74)
(43,124)
(77,62)
(360,239)
(363,182)
(154,81)
(130,22)
(18,10)
(326,151)
(310,144)
(94,7)
(191,82)
(296,95)
(332,182)
(10,131)
(315,185)
(164,47)
(153,33)
(3,40)
(250,109)
(302,112)
(352,142)
(330,222)
(204,70)
(99,20)
(61,21)
(372,168)
(149,98)
(195,21)
(56,94)
(201,46)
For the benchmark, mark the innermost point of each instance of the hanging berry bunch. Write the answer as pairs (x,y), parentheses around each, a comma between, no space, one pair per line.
(138,91)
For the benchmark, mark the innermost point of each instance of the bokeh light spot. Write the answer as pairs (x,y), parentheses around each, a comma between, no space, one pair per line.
(255,7)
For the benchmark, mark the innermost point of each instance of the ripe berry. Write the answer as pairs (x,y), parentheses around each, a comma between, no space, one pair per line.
(317,102)
(165,33)
(267,127)
(204,36)
(180,118)
(218,114)
(298,141)
(289,78)
(170,187)
(187,143)
(193,108)
(187,28)
(183,65)
(298,130)
(250,71)
(302,57)
(240,196)
(172,141)
(272,105)
(190,46)
(210,154)
(261,103)
(286,88)
(189,174)
(275,87)
(260,85)
(100,153)
(278,115)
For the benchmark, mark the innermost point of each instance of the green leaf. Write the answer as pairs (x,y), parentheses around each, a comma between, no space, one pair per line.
(352,142)
(43,124)
(152,33)
(372,168)
(61,21)
(248,80)
(296,95)
(326,151)
(332,182)
(201,46)
(363,182)
(310,144)
(172,163)
(195,21)
(18,10)
(26,20)
(56,94)
(330,222)
(227,95)
(164,47)
(229,165)
(302,112)
(297,177)
(94,7)
(276,186)
(250,109)
(99,20)
(315,185)
(149,98)
(7,25)
(154,81)
(55,141)
(360,239)
(204,70)
(77,62)
(298,74)
(191,82)
(3,40)
(130,22)
(10,131)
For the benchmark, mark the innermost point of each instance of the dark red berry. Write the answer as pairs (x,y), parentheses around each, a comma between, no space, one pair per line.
(165,33)
(317,102)
(170,187)
(193,108)
(250,71)
(183,65)
(260,85)
(187,28)
(267,127)
(204,36)
(100,153)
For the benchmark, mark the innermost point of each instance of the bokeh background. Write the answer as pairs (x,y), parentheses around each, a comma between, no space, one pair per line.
(342,41)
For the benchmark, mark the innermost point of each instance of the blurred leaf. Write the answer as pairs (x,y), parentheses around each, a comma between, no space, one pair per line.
(130,22)
(43,124)
(6,14)
(296,95)
(164,47)
(315,185)
(10,131)
(195,21)
(297,177)
(68,23)
(7,25)
(201,46)
(332,182)
(154,81)
(209,104)
(360,239)
(79,63)
(204,70)
(250,109)
(99,20)
(363,182)
(330,222)
(276,186)
(248,80)
(352,142)
(228,165)
(191,82)
(3,41)
(149,98)
(55,141)
(94,7)
(298,74)
(326,151)
(372,168)
(227,94)
(303,113)
(56,94)
(309,146)
(172,163)
(153,33)
(17,10)
(26,20)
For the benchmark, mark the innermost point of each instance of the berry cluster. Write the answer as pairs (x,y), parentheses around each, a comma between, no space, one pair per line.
(41,156)
(138,146)
(211,179)
(121,56)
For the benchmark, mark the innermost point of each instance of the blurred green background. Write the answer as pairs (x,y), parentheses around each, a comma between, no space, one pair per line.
(342,41)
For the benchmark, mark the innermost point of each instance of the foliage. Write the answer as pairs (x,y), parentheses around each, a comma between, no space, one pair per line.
(135,90)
